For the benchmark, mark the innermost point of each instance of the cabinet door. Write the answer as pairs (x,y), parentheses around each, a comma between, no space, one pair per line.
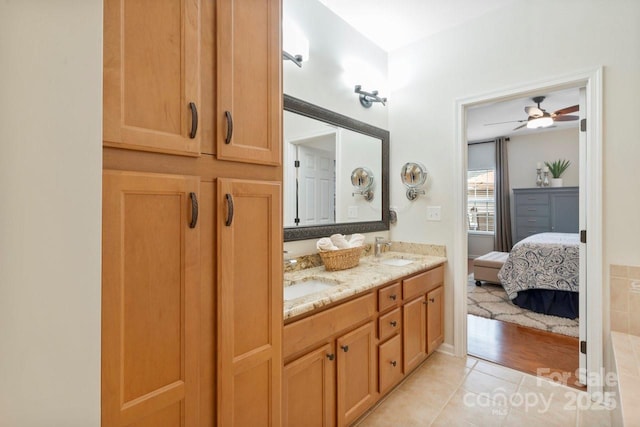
(249,302)
(150,300)
(151,75)
(390,363)
(249,92)
(356,372)
(309,389)
(564,212)
(435,319)
(414,323)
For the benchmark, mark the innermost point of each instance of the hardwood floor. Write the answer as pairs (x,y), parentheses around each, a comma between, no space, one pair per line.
(523,349)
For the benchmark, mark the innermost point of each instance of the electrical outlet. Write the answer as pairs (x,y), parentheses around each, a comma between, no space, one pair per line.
(433,213)
(352,212)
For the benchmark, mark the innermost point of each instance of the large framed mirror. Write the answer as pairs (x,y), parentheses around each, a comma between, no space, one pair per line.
(322,150)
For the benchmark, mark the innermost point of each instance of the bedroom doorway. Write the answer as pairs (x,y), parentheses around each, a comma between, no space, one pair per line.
(590,196)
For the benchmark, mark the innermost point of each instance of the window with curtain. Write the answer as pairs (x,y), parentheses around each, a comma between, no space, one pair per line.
(481,202)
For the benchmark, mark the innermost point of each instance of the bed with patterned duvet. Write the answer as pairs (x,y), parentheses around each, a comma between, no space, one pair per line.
(541,274)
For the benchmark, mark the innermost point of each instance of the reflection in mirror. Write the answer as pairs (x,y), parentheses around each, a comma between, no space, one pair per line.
(362,181)
(321,150)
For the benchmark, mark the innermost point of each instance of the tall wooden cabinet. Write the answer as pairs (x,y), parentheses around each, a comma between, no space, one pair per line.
(192,308)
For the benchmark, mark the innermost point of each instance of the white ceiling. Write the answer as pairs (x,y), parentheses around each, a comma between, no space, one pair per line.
(395,23)
(478,118)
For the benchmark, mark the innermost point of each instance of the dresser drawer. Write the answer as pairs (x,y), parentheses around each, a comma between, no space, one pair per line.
(422,283)
(533,222)
(523,232)
(389,296)
(389,324)
(532,199)
(389,363)
(532,210)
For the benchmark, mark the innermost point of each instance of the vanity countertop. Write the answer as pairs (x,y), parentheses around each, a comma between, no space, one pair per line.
(370,273)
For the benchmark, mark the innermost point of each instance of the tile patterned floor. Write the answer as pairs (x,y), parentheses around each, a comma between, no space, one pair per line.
(450,391)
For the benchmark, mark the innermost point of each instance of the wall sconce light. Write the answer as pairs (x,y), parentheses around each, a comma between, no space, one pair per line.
(296,59)
(368,98)
(413,176)
(362,181)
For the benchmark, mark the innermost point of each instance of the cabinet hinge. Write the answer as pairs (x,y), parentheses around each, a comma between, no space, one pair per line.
(583,236)
(583,347)
(296,164)
(583,125)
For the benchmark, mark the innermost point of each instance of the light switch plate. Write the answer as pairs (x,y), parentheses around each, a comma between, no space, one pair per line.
(433,213)
(352,212)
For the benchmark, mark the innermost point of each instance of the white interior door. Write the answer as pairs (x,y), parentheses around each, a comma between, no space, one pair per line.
(582,278)
(317,183)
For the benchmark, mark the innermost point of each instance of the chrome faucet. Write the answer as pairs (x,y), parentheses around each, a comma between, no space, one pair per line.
(288,261)
(380,242)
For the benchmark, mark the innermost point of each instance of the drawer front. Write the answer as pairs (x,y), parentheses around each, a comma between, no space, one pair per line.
(389,363)
(532,210)
(533,222)
(389,324)
(389,296)
(532,199)
(302,334)
(422,283)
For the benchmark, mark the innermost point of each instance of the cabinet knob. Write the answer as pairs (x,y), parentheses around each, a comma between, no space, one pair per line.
(331,356)
(345,348)
(432,299)
(393,297)
(394,363)
(393,323)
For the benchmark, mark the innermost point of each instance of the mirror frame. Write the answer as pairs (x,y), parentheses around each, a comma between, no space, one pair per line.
(312,111)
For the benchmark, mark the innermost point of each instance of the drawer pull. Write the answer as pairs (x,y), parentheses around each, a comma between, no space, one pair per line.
(393,323)
(532,210)
(331,356)
(531,198)
(393,297)
(532,220)
(345,348)
(394,363)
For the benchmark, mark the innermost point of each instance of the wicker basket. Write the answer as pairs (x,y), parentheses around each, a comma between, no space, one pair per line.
(341,259)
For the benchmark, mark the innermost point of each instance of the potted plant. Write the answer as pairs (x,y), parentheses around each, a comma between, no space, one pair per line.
(557,168)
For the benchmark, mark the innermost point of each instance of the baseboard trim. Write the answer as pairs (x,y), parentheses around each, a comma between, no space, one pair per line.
(446,349)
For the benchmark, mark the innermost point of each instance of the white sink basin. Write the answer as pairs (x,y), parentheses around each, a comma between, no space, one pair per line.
(304,287)
(398,262)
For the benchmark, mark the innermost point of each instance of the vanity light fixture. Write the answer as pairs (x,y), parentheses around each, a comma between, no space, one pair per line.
(368,98)
(413,175)
(362,181)
(296,59)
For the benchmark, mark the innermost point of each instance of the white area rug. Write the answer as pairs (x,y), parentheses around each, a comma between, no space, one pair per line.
(491,301)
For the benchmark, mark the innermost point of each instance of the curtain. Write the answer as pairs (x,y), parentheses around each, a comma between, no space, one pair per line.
(502,236)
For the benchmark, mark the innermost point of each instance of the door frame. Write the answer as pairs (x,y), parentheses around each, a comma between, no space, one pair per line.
(591,80)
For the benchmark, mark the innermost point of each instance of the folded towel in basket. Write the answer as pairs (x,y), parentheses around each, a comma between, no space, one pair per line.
(340,241)
(325,244)
(356,240)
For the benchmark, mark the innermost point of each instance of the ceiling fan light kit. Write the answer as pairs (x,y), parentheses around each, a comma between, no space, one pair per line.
(539,118)
(539,122)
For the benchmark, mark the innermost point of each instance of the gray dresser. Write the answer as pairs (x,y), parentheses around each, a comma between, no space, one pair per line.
(539,210)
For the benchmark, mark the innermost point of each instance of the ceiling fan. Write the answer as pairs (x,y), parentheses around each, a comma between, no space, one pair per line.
(540,118)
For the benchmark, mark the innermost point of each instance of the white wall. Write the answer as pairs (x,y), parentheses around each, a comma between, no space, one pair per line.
(518,44)
(339,58)
(526,151)
(50,226)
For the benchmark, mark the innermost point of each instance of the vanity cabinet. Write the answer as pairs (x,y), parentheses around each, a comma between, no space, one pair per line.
(356,380)
(309,389)
(340,361)
(193,336)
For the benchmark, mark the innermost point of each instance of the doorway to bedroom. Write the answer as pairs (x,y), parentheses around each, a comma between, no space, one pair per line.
(522,229)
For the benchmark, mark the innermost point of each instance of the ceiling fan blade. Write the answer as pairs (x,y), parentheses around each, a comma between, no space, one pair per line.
(520,127)
(501,123)
(567,110)
(565,118)
(534,111)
